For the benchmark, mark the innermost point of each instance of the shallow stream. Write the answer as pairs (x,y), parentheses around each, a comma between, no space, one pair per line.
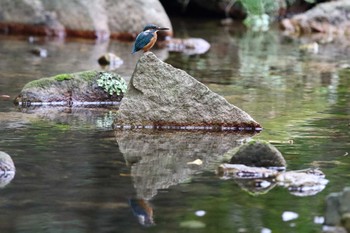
(75,174)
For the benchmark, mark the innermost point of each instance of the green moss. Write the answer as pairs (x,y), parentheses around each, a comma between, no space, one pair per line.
(40,83)
(62,77)
(88,75)
(46,82)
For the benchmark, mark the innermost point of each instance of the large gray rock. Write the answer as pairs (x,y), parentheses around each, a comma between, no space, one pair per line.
(161,95)
(85,18)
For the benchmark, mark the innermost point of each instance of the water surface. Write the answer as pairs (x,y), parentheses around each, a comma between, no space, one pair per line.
(74,174)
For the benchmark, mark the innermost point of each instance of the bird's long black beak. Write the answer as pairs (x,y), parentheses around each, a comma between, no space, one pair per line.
(160,29)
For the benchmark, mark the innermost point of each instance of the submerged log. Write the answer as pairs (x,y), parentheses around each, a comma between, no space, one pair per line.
(160,95)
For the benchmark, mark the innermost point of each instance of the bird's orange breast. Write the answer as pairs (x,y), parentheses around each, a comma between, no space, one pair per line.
(151,43)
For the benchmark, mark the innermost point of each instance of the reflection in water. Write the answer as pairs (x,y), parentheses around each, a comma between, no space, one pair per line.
(159,159)
(94,116)
(7,169)
(143,211)
(260,180)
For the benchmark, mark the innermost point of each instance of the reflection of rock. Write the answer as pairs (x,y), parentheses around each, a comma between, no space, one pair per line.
(95,117)
(257,154)
(159,159)
(7,169)
(256,186)
(338,209)
(161,95)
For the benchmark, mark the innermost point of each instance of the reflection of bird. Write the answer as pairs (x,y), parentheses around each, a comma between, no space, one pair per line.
(147,38)
(143,211)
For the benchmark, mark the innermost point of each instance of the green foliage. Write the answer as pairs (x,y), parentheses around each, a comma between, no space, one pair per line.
(259,11)
(111,83)
(62,77)
(259,7)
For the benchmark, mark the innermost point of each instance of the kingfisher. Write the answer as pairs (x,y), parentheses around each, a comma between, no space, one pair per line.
(147,38)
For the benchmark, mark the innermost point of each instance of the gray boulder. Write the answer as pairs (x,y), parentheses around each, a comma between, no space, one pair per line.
(161,96)
(120,19)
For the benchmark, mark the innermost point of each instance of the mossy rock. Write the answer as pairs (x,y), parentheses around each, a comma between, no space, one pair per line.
(67,88)
(257,153)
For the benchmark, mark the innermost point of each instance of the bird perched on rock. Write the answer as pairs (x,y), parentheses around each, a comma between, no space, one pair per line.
(147,38)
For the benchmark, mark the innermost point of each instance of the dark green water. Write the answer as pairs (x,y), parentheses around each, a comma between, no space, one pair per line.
(74,174)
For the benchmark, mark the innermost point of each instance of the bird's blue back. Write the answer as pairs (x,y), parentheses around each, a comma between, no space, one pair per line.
(142,40)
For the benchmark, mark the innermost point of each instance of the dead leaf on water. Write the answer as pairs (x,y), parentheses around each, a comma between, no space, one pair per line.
(196,162)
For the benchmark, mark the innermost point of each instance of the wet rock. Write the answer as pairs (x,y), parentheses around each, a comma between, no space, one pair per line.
(257,154)
(257,167)
(161,95)
(7,169)
(41,52)
(100,19)
(189,46)
(110,59)
(303,182)
(242,171)
(68,89)
(330,18)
